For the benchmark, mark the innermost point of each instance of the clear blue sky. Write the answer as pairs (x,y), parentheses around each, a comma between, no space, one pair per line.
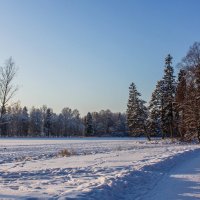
(84,53)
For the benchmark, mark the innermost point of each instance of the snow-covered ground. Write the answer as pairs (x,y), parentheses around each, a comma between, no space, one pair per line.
(105,168)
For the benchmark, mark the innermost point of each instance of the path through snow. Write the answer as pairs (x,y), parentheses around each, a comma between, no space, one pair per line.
(182,182)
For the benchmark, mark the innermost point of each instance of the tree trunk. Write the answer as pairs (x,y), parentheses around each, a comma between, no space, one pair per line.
(146,133)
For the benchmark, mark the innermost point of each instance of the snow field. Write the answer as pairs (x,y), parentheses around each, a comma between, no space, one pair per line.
(101,168)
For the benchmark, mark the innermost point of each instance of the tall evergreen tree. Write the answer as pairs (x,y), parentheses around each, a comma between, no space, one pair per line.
(161,119)
(155,118)
(136,113)
(169,95)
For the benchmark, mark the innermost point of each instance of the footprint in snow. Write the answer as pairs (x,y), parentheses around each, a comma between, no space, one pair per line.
(14,187)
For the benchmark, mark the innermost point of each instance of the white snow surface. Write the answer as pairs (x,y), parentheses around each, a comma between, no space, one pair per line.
(99,168)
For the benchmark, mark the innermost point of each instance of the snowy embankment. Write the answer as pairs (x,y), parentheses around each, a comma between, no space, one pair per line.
(98,168)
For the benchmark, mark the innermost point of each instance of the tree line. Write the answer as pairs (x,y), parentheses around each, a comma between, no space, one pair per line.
(174,108)
(43,122)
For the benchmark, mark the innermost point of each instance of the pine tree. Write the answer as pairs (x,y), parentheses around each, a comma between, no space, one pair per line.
(169,95)
(155,118)
(136,113)
(89,125)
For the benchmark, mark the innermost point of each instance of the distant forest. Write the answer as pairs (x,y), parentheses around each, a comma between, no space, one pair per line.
(173,111)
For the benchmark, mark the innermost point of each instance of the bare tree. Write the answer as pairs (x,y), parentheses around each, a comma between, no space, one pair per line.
(7,87)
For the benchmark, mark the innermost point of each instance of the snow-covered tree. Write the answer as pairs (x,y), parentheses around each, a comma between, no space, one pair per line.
(61,125)
(56,126)
(48,122)
(72,124)
(89,125)
(77,127)
(107,123)
(155,118)
(136,113)
(16,119)
(161,120)
(67,114)
(169,90)
(120,125)
(35,122)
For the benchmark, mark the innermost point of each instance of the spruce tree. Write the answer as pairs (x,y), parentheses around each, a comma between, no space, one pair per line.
(161,118)
(136,113)
(155,118)
(169,95)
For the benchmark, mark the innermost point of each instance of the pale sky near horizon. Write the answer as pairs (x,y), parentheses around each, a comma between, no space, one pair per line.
(84,54)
